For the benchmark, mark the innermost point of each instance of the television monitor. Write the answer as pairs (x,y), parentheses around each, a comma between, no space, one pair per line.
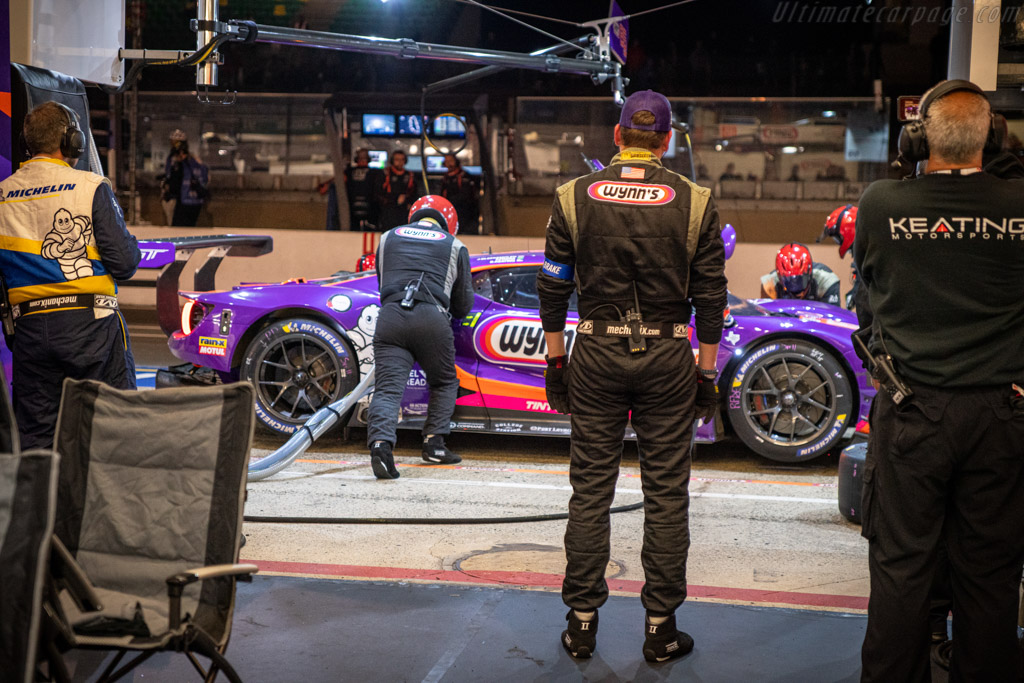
(435,164)
(379,124)
(410,124)
(378,158)
(449,127)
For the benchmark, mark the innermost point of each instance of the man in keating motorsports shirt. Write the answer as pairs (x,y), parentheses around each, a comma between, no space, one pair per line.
(63,241)
(941,258)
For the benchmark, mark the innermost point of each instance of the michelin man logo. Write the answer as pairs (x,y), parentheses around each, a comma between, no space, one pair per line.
(362,336)
(66,243)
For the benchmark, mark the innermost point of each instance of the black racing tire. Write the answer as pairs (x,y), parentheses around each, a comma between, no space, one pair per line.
(790,400)
(297,367)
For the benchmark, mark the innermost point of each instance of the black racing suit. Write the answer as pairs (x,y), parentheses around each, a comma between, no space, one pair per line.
(823,286)
(941,259)
(396,193)
(360,185)
(420,334)
(633,226)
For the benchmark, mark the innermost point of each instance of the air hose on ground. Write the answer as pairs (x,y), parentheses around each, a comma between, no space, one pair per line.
(426,520)
(324,419)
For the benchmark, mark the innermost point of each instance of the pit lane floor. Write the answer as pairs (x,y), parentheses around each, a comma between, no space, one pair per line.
(778,580)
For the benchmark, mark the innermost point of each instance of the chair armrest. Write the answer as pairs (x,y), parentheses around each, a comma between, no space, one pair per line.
(177,582)
(71,577)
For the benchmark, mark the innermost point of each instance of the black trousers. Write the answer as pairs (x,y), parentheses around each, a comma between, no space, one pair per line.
(606,382)
(51,346)
(422,334)
(947,468)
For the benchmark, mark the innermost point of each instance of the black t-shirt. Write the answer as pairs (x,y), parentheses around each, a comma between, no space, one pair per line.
(942,260)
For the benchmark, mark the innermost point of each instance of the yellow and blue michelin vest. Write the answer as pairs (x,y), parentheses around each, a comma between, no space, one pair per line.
(47,245)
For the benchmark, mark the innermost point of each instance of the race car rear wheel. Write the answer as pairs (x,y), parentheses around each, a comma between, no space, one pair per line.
(790,400)
(298,366)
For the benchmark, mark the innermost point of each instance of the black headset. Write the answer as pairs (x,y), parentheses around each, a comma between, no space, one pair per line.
(72,140)
(913,142)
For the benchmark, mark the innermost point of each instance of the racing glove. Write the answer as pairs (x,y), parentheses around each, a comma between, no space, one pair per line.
(556,383)
(707,399)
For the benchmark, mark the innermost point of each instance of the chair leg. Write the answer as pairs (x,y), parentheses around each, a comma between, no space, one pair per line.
(57,669)
(204,645)
(108,677)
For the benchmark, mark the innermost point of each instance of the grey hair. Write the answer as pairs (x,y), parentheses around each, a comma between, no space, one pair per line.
(957,130)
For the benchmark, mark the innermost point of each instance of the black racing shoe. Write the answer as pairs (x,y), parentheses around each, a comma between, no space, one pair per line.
(382,461)
(663,642)
(580,639)
(436,452)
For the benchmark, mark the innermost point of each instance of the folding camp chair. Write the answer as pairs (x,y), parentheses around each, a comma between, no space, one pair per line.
(28,492)
(149,514)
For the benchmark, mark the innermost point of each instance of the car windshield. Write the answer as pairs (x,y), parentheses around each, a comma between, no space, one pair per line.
(514,286)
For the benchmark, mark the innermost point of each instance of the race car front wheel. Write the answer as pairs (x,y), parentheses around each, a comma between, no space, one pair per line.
(790,400)
(298,366)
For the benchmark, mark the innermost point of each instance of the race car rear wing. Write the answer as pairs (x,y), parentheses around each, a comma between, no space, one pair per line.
(171,255)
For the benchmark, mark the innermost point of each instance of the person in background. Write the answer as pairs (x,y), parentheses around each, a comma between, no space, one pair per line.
(396,192)
(169,196)
(797,276)
(794,174)
(62,250)
(361,181)
(730,173)
(462,191)
(841,226)
(186,179)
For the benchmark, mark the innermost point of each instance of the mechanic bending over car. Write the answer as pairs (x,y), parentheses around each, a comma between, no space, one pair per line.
(797,276)
(65,241)
(941,306)
(642,247)
(424,279)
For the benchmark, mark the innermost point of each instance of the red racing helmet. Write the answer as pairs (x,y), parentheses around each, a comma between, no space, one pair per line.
(794,265)
(436,207)
(841,225)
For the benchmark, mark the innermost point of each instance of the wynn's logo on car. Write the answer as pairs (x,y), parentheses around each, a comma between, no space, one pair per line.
(631,193)
(516,340)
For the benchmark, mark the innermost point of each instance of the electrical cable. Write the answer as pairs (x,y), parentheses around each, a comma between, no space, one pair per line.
(522,23)
(255,519)
(192,59)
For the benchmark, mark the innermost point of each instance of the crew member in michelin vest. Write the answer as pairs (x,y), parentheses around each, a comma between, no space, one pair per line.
(941,259)
(643,248)
(64,242)
(425,281)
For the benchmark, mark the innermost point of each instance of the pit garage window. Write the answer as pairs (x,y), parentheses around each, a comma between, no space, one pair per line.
(516,286)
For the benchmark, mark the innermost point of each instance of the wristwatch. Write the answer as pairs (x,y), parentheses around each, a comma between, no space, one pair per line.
(711,374)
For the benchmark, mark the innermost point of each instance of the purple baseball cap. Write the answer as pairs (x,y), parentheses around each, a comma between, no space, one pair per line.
(647,100)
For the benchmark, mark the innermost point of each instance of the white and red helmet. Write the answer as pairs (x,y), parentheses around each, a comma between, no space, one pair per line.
(436,207)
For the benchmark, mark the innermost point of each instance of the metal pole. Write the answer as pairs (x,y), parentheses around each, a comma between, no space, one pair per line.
(207,72)
(409,49)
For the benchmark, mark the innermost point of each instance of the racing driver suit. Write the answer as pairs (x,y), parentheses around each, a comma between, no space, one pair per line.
(435,265)
(63,241)
(632,232)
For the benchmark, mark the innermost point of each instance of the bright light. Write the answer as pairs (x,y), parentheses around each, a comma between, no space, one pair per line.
(414,149)
(828,114)
(718,148)
(789,149)
(186,317)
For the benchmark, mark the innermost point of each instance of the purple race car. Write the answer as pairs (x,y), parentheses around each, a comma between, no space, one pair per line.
(791,384)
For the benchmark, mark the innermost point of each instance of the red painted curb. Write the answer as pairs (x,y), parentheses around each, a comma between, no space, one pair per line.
(541,580)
